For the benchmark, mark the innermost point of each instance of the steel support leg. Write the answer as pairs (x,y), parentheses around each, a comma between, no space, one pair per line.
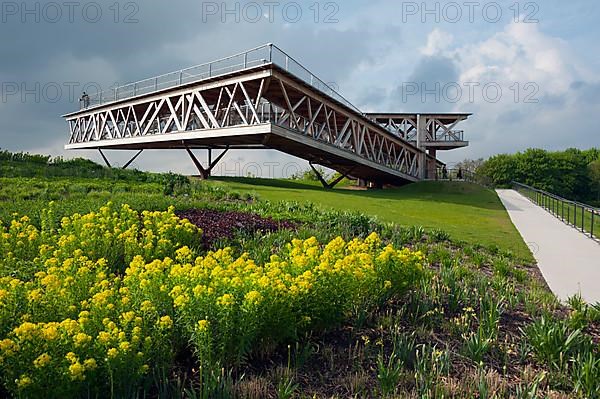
(330,185)
(105,159)
(205,172)
(132,159)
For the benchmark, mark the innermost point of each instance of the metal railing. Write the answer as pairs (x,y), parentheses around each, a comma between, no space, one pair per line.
(459,174)
(263,55)
(583,217)
(452,135)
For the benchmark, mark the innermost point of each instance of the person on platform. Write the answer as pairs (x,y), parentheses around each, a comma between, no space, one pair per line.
(85,100)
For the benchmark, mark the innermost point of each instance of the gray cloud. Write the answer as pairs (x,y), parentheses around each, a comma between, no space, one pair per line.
(423,90)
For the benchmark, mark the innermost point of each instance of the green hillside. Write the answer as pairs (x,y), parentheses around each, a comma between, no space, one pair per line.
(466,211)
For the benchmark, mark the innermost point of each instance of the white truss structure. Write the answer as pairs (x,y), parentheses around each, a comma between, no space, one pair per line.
(437,130)
(264,97)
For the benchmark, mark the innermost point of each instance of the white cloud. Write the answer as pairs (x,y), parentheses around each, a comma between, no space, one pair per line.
(519,53)
(437,41)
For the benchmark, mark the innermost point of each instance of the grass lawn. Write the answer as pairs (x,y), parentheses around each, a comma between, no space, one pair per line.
(467,211)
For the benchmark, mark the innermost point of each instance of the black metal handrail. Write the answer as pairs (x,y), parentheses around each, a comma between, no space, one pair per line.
(581,216)
(459,174)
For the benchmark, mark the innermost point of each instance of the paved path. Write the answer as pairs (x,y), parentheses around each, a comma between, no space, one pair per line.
(569,261)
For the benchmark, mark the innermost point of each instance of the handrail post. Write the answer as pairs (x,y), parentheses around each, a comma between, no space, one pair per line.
(592,225)
(271,52)
(544,202)
(582,219)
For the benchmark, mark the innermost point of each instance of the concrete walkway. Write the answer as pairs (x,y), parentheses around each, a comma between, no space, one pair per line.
(569,261)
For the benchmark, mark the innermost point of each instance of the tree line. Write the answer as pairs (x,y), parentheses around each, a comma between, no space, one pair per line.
(572,174)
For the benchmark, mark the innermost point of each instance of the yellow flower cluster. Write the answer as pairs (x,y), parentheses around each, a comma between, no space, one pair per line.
(307,286)
(67,318)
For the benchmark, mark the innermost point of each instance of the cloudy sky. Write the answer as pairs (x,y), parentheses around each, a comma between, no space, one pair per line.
(529,71)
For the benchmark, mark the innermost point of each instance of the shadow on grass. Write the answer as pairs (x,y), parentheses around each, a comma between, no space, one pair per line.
(457,193)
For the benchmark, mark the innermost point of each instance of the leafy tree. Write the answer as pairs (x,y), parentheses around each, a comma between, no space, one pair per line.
(469,165)
(500,169)
(594,171)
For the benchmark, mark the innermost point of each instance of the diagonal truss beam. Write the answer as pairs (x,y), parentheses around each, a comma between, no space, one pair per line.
(205,172)
(330,185)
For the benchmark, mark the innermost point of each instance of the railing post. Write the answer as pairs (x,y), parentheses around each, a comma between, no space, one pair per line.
(155,84)
(592,225)
(287,63)
(270,52)
(582,219)
(575,215)
(180,77)
(135,89)
(544,202)
(245,60)
(116,93)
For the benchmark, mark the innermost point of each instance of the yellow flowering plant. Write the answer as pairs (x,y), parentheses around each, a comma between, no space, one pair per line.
(108,298)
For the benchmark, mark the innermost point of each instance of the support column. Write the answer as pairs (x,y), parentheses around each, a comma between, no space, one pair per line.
(124,166)
(332,184)
(105,159)
(432,165)
(205,172)
(133,159)
(421,140)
